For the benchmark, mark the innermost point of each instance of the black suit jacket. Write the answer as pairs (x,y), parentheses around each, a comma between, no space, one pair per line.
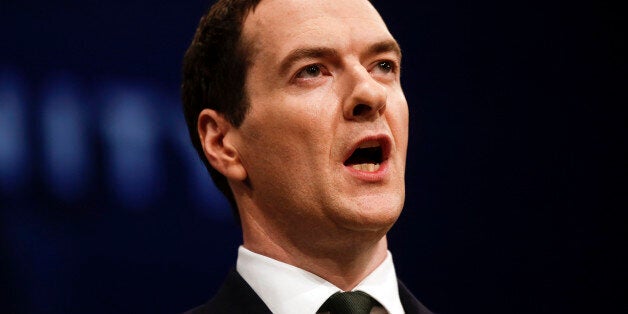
(236,296)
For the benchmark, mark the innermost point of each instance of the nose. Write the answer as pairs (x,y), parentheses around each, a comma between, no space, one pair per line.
(366,98)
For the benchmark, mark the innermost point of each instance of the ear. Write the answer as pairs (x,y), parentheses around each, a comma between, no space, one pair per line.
(216,138)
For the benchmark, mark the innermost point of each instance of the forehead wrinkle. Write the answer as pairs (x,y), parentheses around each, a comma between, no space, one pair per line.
(257,28)
(316,52)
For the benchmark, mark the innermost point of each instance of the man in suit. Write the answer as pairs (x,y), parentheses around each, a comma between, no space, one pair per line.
(297,111)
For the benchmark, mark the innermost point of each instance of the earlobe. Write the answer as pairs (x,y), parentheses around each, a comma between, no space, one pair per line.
(215,135)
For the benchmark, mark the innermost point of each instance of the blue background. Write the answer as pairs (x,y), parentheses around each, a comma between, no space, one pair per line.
(516,169)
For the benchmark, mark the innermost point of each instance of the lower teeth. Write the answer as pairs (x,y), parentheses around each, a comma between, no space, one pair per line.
(366,167)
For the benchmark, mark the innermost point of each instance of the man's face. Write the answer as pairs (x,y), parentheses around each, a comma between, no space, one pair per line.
(324,142)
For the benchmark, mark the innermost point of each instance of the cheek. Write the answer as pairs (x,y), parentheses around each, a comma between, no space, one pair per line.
(305,121)
(398,119)
(289,138)
(289,132)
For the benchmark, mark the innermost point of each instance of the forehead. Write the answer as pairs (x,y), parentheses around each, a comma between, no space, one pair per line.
(279,26)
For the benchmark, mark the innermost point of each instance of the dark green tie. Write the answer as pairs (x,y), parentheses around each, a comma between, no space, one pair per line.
(355,302)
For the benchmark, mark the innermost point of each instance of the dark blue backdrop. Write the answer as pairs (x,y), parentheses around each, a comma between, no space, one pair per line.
(516,169)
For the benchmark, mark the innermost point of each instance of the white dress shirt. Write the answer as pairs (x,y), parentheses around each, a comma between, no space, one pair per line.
(284,287)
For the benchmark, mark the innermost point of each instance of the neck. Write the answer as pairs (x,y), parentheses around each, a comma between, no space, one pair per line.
(344,259)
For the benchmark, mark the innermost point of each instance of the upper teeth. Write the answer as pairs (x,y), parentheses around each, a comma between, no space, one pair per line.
(368,167)
(369,144)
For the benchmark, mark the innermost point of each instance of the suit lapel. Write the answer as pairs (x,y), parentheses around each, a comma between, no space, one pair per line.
(235,296)
(410,304)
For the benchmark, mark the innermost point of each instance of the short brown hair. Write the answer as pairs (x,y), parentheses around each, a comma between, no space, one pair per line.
(214,74)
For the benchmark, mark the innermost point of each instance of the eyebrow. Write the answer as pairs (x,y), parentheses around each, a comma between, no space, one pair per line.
(385,46)
(305,53)
(326,52)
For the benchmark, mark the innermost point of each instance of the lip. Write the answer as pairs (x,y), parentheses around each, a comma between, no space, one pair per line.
(385,143)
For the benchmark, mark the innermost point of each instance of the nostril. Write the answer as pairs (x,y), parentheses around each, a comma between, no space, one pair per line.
(360,109)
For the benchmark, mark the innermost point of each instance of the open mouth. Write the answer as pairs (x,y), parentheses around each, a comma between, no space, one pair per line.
(368,156)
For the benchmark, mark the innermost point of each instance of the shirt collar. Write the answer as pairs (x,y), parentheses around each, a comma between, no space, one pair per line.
(284,287)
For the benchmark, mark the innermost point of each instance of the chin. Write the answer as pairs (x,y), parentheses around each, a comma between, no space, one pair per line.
(377,214)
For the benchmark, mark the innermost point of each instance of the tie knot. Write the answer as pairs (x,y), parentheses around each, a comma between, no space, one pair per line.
(354,302)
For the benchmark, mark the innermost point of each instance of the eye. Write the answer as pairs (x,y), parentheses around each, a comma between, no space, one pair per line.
(385,67)
(310,71)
